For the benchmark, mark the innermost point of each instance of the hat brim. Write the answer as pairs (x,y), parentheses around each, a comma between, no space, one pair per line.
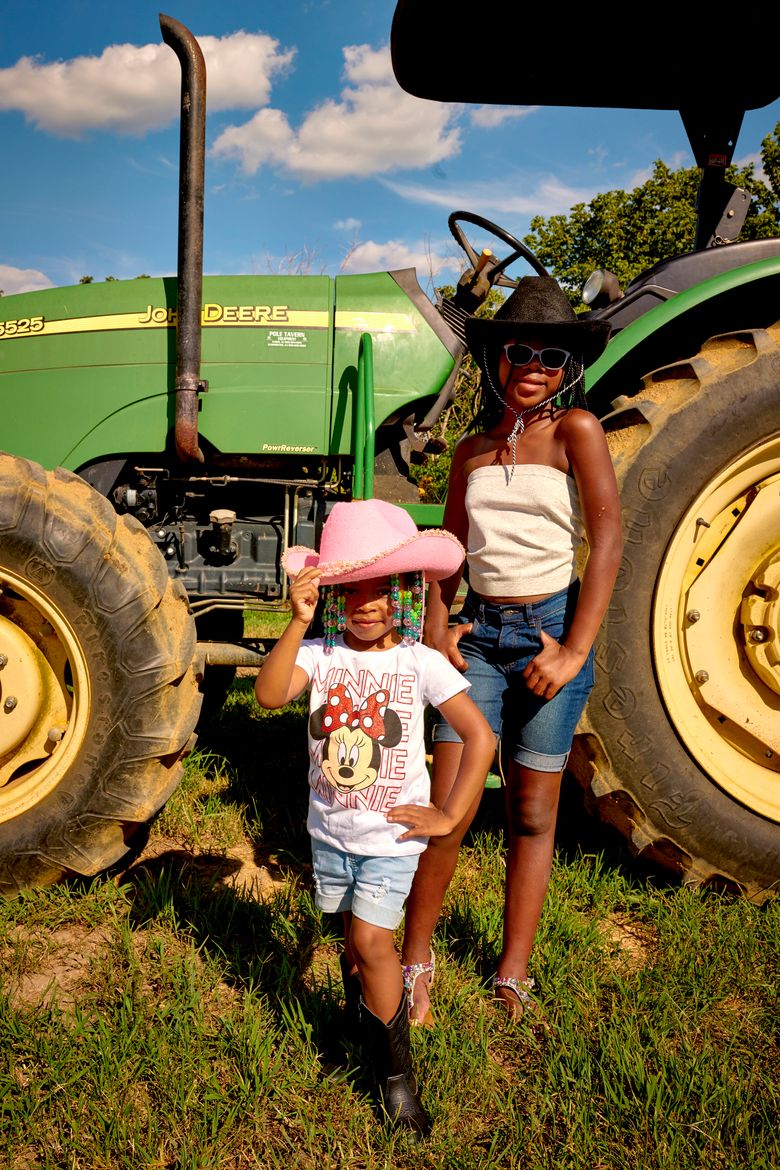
(437,554)
(585,338)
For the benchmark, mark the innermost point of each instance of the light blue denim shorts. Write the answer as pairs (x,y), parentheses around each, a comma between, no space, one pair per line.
(373,888)
(535,732)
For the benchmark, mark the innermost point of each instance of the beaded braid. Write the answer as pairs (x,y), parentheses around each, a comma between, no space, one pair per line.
(331,616)
(412,619)
(395,600)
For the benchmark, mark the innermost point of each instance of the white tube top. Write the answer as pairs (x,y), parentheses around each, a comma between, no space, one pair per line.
(524,530)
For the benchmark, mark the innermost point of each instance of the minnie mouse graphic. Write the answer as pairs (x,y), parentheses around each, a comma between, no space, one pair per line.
(354,737)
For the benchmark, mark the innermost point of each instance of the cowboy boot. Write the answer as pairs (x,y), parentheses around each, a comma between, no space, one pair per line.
(389,1059)
(352,989)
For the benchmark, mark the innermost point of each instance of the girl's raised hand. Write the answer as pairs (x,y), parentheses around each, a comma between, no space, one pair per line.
(304,594)
(552,668)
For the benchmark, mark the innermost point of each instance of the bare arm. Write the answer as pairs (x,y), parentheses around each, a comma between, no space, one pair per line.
(479,747)
(441,594)
(280,680)
(586,447)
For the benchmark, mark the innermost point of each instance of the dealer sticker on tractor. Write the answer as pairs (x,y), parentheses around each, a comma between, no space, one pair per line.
(289,338)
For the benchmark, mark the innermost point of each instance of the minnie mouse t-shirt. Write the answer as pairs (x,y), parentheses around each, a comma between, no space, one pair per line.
(366,742)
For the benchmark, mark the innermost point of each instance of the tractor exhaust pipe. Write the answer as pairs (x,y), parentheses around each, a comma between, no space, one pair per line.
(192,149)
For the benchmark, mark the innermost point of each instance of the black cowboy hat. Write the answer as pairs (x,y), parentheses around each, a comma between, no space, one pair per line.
(538,310)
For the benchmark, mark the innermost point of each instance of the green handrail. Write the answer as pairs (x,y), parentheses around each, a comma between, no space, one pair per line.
(365,425)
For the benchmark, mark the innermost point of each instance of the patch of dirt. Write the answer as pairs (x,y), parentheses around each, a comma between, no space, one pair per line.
(253,877)
(632,942)
(244,868)
(60,964)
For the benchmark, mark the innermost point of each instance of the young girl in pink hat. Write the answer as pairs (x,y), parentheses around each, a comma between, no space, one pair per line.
(370,815)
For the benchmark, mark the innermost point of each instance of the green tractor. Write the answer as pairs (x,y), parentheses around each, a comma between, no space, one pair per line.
(198,426)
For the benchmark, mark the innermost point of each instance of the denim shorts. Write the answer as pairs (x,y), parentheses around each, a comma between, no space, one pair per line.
(373,888)
(536,733)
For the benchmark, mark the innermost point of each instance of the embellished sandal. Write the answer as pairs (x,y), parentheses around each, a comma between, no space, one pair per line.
(411,973)
(526,1004)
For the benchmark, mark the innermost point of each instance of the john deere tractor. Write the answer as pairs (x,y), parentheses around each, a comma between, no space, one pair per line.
(167,439)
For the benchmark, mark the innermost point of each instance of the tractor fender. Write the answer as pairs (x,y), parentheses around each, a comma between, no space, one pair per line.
(743,298)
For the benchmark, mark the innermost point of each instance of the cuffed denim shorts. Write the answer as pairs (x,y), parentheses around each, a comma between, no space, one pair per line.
(535,732)
(373,888)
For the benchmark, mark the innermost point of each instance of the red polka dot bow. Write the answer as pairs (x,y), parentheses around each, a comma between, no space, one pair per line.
(341,712)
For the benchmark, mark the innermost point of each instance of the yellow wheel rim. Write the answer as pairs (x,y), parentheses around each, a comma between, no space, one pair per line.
(716,638)
(44,696)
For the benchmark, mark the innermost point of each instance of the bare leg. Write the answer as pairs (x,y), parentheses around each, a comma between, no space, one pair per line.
(373,950)
(433,876)
(346,916)
(532,806)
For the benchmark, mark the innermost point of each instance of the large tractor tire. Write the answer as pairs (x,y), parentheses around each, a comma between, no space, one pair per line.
(680,743)
(98,694)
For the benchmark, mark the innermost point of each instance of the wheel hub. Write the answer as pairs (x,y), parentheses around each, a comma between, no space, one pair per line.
(716,629)
(44,695)
(760,617)
(24,681)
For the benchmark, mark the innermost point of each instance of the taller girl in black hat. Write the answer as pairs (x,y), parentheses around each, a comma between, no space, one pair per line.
(524,488)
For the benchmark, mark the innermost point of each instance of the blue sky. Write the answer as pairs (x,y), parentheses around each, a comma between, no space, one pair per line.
(316,160)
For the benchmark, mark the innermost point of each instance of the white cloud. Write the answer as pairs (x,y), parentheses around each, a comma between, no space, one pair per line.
(18,280)
(375,127)
(135,88)
(490,116)
(547,195)
(372,256)
(347,225)
(366,66)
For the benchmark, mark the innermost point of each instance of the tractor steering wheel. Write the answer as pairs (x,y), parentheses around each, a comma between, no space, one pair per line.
(519,248)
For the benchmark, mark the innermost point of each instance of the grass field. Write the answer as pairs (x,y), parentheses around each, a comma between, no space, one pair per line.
(186,1014)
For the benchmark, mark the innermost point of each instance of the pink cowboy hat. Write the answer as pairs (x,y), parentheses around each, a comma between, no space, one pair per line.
(371,538)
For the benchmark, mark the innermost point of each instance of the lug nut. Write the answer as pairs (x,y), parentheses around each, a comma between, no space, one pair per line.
(693,615)
(758,635)
(55,734)
(3,661)
(9,704)
(701,676)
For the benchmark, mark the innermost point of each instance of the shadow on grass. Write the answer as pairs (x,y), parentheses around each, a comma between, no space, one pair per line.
(267,757)
(263,947)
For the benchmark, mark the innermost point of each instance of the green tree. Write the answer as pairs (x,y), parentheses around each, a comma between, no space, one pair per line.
(628,231)
(432,475)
